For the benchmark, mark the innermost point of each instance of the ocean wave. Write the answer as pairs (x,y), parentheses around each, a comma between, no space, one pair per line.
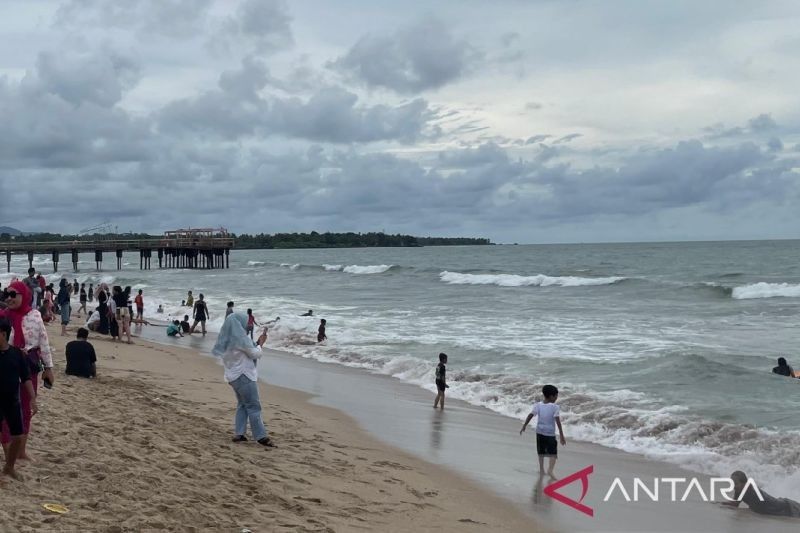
(766,290)
(332,268)
(256,263)
(628,420)
(291,266)
(367,269)
(515,280)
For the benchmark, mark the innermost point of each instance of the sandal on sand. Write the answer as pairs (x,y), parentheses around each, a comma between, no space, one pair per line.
(266,441)
(239,438)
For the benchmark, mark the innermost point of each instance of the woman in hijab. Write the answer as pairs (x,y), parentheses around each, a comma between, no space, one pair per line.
(30,336)
(62,299)
(239,357)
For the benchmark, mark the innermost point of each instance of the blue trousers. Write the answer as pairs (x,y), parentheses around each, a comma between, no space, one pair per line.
(249,408)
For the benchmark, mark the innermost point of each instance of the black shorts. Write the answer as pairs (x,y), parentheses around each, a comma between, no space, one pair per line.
(440,386)
(11,414)
(546,445)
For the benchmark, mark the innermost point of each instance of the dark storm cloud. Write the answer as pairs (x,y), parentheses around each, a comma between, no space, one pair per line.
(420,57)
(762,122)
(331,114)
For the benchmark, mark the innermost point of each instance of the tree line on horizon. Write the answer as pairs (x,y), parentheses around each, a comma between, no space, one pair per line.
(277,240)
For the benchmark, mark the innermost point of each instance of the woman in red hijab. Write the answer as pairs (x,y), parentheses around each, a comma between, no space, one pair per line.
(30,336)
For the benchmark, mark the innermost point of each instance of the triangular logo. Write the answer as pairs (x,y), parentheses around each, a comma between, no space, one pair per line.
(583,475)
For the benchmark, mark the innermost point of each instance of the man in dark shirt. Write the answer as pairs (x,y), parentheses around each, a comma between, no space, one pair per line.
(767,505)
(81,358)
(185,326)
(14,370)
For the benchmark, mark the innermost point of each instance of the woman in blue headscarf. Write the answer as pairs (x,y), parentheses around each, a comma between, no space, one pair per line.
(239,357)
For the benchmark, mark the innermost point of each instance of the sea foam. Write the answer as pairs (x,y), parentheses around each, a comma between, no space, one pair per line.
(766,290)
(515,280)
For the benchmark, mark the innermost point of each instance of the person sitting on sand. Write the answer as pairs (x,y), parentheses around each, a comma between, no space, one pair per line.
(310,313)
(769,505)
(239,358)
(94,321)
(174,329)
(14,374)
(81,358)
(185,326)
(783,368)
(321,335)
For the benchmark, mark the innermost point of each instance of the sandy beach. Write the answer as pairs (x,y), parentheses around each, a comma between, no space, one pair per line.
(146,446)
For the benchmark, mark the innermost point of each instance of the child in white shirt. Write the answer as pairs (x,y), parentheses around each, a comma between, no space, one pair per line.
(549,414)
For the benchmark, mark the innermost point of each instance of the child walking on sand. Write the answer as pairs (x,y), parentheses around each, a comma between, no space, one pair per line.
(549,414)
(441,380)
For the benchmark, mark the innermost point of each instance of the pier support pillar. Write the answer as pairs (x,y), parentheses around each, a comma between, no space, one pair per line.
(227,258)
(8,260)
(74,259)
(160,256)
(30,259)
(98,258)
(55,261)
(119,259)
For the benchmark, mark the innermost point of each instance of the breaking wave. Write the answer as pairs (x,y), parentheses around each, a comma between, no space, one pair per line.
(766,290)
(514,280)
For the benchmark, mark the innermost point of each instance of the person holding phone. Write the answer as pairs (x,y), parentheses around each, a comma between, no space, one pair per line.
(30,336)
(240,357)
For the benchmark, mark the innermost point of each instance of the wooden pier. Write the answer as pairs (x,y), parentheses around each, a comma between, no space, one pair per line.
(185,248)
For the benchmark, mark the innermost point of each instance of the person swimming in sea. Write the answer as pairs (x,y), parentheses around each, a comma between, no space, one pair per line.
(783,368)
(310,313)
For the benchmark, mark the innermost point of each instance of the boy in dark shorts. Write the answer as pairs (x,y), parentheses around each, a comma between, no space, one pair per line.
(549,414)
(14,372)
(441,380)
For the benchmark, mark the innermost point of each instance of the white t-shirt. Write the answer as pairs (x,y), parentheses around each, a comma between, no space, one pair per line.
(546,421)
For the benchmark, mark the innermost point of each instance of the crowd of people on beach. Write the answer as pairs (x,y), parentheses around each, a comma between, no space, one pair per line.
(27,305)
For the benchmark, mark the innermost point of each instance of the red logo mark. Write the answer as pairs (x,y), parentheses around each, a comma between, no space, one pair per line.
(583,475)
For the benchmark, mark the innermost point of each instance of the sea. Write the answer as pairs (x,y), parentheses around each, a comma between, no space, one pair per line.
(661,349)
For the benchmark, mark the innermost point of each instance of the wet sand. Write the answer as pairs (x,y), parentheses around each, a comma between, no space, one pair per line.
(146,446)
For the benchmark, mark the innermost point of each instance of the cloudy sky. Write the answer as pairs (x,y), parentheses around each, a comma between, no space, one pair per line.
(517,120)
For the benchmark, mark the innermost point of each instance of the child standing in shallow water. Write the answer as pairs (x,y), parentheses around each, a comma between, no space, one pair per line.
(549,414)
(441,380)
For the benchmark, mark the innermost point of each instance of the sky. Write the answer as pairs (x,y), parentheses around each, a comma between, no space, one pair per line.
(520,121)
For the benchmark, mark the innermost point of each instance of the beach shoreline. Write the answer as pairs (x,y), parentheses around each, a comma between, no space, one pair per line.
(147,446)
(484,446)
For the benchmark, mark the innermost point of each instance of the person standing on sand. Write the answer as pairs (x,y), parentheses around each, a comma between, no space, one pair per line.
(441,380)
(15,374)
(549,414)
(139,301)
(321,335)
(201,314)
(239,357)
(82,300)
(62,299)
(30,336)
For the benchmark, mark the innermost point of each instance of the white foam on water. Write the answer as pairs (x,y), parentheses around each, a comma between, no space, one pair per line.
(367,269)
(515,280)
(766,290)
(256,263)
(332,268)
(291,266)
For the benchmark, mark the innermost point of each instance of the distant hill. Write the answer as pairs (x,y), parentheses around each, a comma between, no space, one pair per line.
(11,231)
